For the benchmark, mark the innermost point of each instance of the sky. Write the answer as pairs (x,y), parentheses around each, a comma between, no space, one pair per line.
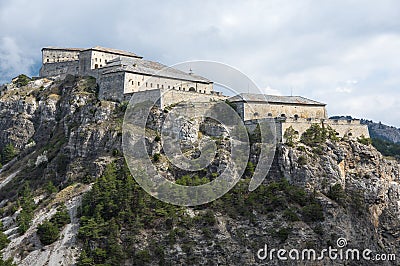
(343,53)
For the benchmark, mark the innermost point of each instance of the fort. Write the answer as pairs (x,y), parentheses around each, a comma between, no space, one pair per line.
(120,74)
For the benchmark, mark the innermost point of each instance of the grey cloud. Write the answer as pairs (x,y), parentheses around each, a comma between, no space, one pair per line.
(310,47)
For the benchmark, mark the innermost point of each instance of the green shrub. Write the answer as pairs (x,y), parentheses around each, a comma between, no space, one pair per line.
(313,212)
(302,160)
(336,193)
(3,238)
(364,140)
(8,153)
(156,157)
(290,136)
(47,232)
(290,215)
(21,80)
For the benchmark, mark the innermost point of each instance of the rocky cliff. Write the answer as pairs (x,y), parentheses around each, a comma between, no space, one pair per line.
(67,152)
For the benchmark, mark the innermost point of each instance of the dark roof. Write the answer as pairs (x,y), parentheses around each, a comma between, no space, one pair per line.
(150,68)
(63,49)
(250,97)
(113,51)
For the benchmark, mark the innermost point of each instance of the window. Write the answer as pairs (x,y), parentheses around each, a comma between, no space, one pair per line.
(192,89)
(168,86)
(179,88)
(100,60)
(146,84)
(296,116)
(200,91)
(162,86)
(96,66)
(158,86)
(95,59)
(138,83)
(48,60)
(283,115)
(132,82)
(151,85)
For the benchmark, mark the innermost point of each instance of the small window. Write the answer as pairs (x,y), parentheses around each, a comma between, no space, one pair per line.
(158,86)
(151,85)
(179,88)
(100,60)
(200,91)
(296,116)
(350,134)
(162,86)
(95,59)
(138,83)
(283,115)
(105,61)
(48,60)
(96,66)
(270,114)
(168,86)
(146,84)
(132,82)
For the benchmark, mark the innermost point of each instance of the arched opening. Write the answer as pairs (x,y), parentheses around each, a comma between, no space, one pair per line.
(296,116)
(96,66)
(350,134)
(283,115)
(270,114)
(192,89)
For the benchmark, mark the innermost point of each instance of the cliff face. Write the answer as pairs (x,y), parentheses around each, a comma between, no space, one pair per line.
(64,135)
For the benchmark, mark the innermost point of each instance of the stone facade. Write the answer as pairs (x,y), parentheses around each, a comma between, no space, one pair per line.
(119,72)
(259,106)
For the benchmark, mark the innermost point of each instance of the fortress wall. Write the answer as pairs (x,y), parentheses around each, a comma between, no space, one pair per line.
(343,128)
(254,110)
(139,82)
(351,128)
(54,56)
(111,86)
(60,68)
(175,96)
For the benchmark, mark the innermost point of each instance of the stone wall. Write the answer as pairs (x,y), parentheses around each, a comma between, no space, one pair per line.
(175,96)
(344,128)
(59,55)
(60,68)
(111,86)
(259,110)
(351,129)
(138,82)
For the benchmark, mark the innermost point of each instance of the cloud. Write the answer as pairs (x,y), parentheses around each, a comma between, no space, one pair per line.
(13,61)
(323,50)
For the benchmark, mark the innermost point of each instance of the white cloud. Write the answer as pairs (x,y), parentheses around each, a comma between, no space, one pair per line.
(323,50)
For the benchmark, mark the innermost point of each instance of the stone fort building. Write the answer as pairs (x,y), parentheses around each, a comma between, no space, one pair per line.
(119,74)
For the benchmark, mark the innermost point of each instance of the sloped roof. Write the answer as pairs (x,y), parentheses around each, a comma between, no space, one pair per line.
(113,51)
(250,97)
(63,49)
(150,68)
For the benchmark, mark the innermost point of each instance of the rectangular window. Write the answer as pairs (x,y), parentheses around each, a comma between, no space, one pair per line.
(138,83)
(146,84)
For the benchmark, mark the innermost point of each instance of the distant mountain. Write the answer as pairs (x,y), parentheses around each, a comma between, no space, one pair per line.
(381,131)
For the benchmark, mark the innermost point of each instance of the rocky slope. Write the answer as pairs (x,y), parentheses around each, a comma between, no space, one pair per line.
(64,135)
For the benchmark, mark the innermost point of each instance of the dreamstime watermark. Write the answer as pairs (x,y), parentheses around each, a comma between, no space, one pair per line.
(192,102)
(340,252)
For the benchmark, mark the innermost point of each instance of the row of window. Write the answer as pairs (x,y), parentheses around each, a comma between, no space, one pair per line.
(169,87)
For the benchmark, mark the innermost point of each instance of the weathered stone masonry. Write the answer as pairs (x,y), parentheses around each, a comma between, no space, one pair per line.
(120,74)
